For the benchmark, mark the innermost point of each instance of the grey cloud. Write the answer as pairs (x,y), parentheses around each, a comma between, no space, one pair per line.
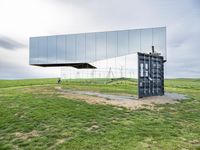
(74,2)
(181,17)
(11,70)
(9,43)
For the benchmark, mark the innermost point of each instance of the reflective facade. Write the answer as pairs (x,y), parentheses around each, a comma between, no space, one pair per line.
(93,47)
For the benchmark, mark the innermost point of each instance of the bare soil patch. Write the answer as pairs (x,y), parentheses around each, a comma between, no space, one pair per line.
(129,102)
(26,136)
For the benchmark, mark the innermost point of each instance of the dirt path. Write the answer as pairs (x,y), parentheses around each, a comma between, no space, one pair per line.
(129,102)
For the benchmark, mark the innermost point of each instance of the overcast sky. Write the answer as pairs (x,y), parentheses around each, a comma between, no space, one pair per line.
(21,19)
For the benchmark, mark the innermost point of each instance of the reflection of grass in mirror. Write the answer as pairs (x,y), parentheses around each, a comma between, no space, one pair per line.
(34,116)
(117,86)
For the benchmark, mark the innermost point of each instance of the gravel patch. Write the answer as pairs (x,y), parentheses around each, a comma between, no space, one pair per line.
(130,102)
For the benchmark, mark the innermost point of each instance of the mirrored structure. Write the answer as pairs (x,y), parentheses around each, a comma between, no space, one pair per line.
(110,54)
(85,48)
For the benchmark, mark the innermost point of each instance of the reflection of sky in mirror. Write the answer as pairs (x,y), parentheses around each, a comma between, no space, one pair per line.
(98,46)
(90,46)
(60,46)
(71,48)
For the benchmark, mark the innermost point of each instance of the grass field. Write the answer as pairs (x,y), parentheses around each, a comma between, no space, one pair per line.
(34,116)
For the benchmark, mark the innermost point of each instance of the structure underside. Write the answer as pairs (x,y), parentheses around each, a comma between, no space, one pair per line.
(75,65)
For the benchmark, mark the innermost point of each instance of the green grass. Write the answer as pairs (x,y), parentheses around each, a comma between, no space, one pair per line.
(34,116)
(26,82)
